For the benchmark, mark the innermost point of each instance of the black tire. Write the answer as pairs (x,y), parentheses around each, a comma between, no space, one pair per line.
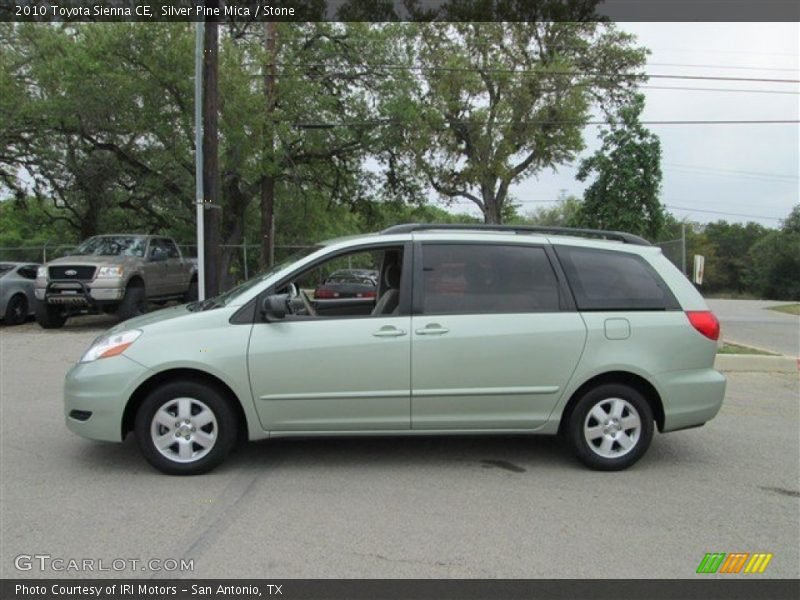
(16,310)
(225,429)
(191,293)
(49,316)
(133,304)
(607,452)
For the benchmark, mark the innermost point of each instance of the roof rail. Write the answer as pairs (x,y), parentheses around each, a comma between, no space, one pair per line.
(620,236)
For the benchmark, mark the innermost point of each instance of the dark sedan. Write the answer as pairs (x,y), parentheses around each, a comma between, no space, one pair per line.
(348,283)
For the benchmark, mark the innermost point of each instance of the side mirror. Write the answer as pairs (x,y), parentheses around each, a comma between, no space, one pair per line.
(275,307)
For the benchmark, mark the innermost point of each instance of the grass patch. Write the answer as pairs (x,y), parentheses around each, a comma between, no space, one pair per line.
(728,348)
(789,309)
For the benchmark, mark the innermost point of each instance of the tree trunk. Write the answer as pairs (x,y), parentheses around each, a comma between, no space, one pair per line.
(267,256)
(491,212)
(211,180)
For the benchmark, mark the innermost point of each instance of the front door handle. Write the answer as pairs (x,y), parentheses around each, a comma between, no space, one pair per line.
(388,331)
(432,329)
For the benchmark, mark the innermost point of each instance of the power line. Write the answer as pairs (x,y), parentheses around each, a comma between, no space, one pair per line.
(735,172)
(716,212)
(566,73)
(726,67)
(379,122)
(705,89)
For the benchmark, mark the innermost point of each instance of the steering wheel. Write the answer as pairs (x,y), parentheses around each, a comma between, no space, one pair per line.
(307,304)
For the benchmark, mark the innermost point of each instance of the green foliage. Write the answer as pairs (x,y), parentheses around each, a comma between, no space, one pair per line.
(500,102)
(563,214)
(775,262)
(732,243)
(625,192)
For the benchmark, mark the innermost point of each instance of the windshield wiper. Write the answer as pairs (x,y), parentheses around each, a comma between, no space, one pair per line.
(207,304)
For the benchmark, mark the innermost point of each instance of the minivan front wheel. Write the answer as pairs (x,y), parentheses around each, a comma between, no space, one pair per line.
(611,427)
(184,428)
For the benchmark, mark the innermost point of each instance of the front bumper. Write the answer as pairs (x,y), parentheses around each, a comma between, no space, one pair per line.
(71,292)
(690,398)
(101,390)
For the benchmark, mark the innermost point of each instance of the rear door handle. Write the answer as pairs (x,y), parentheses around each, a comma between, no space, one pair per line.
(388,331)
(432,329)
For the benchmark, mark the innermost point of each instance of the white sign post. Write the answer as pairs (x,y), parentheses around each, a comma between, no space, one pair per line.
(699,267)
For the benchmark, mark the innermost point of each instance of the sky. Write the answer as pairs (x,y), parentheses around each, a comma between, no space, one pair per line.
(734,170)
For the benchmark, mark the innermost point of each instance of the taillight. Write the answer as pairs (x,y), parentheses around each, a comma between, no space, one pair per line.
(705,322)
(367,295)
(324,294)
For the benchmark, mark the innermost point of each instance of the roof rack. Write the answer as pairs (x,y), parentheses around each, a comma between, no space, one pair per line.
(620,236)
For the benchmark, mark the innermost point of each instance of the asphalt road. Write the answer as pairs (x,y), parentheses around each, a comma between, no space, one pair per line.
(443,507)
(750,322)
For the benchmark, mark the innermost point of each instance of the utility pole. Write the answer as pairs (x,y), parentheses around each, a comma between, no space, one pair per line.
(267,256)
(683,247)
(198,158)
(211,180)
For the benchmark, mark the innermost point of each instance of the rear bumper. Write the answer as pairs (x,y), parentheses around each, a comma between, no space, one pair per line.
(101,389)
(690,398)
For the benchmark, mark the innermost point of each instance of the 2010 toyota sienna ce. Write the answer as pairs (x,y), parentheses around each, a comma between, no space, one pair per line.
(589,334)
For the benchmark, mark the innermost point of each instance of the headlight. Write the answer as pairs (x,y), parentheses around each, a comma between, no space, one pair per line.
(109,272)
(111,345)
(41,272)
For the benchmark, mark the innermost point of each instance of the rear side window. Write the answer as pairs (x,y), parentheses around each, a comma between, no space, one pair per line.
(609,280)
(486,279)
(169,246)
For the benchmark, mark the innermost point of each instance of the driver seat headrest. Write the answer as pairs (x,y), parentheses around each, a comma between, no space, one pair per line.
(391,276)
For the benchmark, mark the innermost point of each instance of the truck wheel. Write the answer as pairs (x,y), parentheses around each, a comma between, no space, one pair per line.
(191,293)
(185,428)
(49,316)
(133,304)
(16,310)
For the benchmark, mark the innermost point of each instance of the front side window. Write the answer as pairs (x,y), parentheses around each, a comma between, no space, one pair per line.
(611,280)
(485,279)
(363,283)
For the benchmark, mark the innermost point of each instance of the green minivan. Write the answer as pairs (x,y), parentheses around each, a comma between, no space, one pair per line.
(593,335)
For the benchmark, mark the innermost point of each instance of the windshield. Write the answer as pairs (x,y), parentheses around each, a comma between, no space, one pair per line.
(112,245)
(5,268)
(225,297)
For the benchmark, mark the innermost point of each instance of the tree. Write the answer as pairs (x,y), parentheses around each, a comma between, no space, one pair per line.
(563,214)
(625,192)
(775,262)
(733,242)
(498,102)
(97,124)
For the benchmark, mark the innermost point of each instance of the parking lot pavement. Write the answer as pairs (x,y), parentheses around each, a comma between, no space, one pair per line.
(750,322)
(436,507)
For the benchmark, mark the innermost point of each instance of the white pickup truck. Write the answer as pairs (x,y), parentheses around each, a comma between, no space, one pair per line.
(118,273)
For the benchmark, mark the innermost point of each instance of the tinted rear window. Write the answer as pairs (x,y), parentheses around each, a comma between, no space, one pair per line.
(609,280)
(483,278)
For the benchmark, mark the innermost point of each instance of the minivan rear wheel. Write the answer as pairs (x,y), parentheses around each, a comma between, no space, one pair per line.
(184,428)
(611,427)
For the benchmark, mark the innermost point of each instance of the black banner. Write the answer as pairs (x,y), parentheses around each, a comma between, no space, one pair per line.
(400,10)
(733,588)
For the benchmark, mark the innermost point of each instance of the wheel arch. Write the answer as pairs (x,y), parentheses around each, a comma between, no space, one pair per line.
(177,374)
(135,280)
(637,382)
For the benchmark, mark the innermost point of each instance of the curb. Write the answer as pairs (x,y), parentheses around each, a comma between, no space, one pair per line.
(756,362)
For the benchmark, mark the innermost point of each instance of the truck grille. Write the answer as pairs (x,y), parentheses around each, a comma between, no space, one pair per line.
(83,273)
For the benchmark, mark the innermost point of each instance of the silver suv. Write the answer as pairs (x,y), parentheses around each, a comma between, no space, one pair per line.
(589,334)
